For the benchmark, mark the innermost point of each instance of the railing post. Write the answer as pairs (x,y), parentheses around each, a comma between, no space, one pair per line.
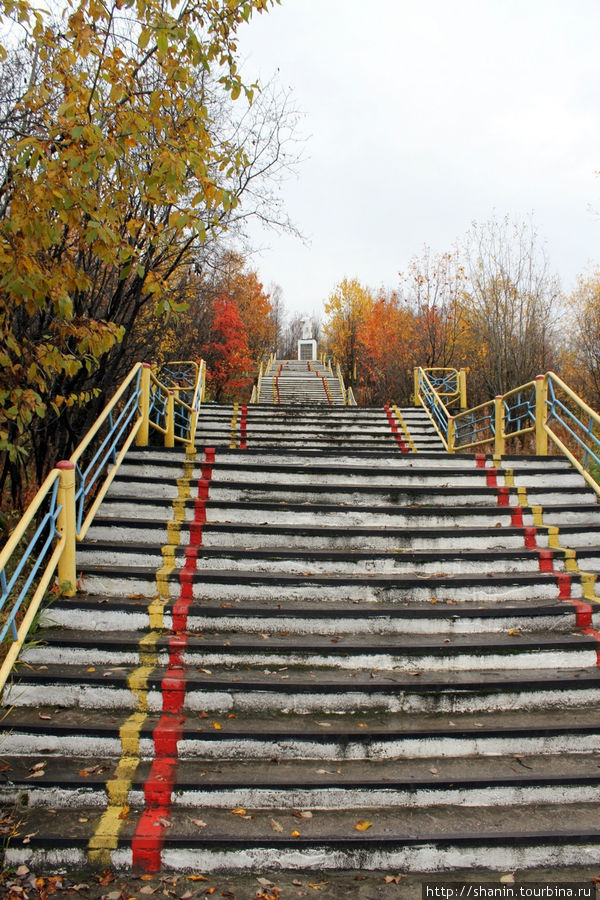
(462,384)
(416,395)
(541,415)
(67,528)
(451,434)
(499,442)
(170,420)
(193,426)
(143,435)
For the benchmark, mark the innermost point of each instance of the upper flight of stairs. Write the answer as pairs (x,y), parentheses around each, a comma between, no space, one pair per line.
(300,381)
(311,647)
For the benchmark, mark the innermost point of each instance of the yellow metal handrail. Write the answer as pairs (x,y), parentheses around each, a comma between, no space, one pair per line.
(536,408)
(69,521)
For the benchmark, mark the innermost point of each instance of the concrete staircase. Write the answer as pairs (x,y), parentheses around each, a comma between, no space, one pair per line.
(311,647)
(295,381)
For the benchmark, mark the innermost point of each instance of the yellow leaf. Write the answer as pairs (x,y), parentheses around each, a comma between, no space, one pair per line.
(239,811)
(363,825)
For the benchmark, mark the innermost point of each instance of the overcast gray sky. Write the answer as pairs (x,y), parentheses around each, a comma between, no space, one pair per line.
(422,116)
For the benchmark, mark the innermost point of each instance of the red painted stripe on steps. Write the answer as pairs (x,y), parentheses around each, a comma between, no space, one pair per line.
(491,477)
(545,555)
(516,517)
(393,423)
(154,821)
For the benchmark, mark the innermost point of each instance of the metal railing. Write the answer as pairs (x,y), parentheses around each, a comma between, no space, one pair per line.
(541,411)
(43,544)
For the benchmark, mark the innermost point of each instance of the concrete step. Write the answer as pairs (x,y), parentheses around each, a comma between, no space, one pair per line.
(400,653)
(259,615)
(342,516)
(234,586)
(470,742)
(334,562)
(310,689)
(354,638)
(417,840)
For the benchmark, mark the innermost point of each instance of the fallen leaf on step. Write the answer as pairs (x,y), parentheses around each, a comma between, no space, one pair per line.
(22,871)
(275,825)
(124,812)
(238,811)
(264,882)
(394,879)
(324,724)
(515,632)
(363,825)
(302,814)
(206,671)
(197,878)
(148,889)
(91,669)
(317,887)
(203,715)
(507,879)
(434,771)
(46,718)
(217,726)
(295,833)
(198,822)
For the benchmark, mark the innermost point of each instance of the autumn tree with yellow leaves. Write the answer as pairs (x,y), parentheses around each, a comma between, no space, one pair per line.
(122,158)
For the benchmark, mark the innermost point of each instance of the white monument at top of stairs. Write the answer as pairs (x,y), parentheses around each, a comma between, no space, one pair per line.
(307,346)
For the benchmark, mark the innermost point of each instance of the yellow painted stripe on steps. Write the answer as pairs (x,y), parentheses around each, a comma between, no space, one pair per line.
(106,834)
(404,427)
(522,497)
(162,582)
(509,478)
(174,532)
(233,444)
(183,488)
(156,612)
(178,510)
(553,537)
(130,738)
(168,555)
(538,516)
(188,466)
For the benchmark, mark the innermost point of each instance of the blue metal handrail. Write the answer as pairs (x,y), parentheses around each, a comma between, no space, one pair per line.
(88,477)
(433,403)
(581,433)
(64,507)
(46,532)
